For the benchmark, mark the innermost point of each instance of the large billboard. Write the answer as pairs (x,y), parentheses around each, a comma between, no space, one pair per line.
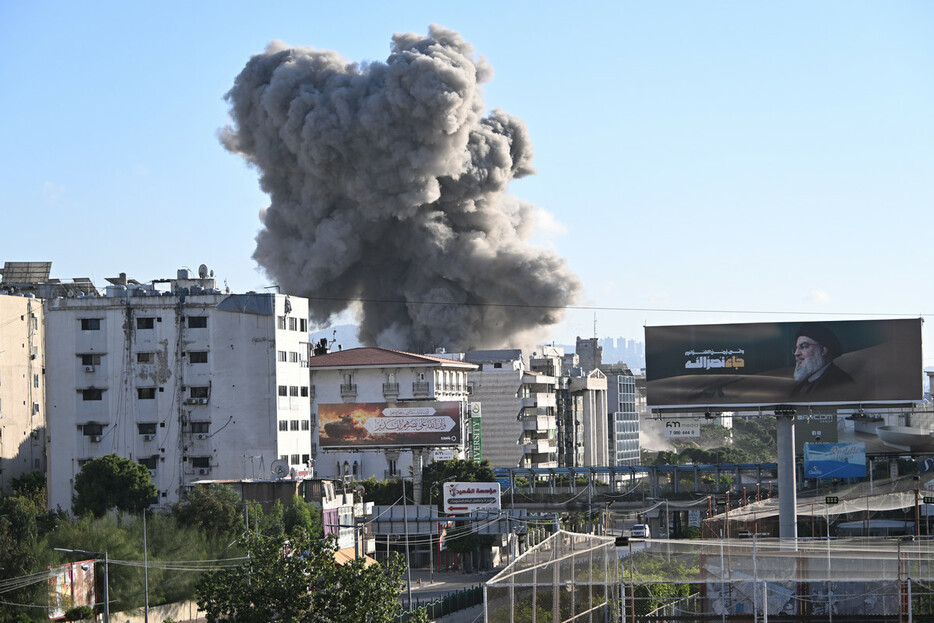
(834,460)
(783,363)
(389,424)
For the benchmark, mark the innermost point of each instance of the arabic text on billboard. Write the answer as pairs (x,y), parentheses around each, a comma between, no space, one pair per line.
(834,460)
(762,364)
(379,424)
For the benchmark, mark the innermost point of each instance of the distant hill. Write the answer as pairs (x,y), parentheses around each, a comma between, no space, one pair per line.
(343,335)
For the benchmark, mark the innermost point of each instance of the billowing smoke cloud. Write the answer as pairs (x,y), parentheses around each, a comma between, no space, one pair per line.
(387,186)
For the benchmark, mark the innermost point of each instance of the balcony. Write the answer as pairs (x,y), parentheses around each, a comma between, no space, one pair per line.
(420,388)
(538,400)
(539,446)
(538,423)
(390,389)
(348,390)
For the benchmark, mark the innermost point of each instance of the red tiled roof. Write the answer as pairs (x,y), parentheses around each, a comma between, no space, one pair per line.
(370,356)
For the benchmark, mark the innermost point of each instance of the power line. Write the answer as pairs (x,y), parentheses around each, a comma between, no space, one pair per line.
(672,310)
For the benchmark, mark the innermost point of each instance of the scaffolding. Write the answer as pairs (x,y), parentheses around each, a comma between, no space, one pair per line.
(577,577)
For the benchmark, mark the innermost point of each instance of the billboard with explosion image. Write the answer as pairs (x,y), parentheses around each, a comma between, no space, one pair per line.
(387,424)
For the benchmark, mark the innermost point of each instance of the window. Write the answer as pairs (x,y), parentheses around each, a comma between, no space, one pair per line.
(198,392)
(92,393)
(284,458)
(293,424)
(293,390)
(305,459)
(149,462)
(145,323)
(200,461)
(146,393)
(90,324)
(197,322)
(92,430)
(293,324)
(283,425)
(200,427)
(90,360)
(304,391)
(283,390)
(281,355)
(198,356)
(145,357)
(293,356)
(35,380)
(146,428)
(302,325)
(280,322)
(305,425)
(294,460)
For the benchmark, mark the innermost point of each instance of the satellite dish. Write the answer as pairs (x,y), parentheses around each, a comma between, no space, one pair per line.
(203,271)
(280,468)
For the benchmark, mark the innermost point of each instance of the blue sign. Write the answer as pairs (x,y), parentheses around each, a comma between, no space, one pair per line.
(834,460)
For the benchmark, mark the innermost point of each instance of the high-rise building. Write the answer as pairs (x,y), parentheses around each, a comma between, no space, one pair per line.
(191,382)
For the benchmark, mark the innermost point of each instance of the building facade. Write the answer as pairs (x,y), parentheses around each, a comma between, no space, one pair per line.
(194,383)
(352,390)
(22,388)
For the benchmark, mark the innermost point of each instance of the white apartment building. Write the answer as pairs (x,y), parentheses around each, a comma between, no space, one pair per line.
(22,388)
(354,390)
(191,382)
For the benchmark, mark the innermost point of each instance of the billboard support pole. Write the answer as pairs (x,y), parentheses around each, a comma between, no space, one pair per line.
(787,494)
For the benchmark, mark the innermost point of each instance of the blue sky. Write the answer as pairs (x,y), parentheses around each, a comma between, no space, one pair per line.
(722,157)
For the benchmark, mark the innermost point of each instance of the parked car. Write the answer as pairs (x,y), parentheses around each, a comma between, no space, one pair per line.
(641,531)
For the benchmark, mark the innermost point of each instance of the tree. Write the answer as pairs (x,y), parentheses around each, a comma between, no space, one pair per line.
(299,515)
(113,482)
(215,509)
(293,579)
(437,473)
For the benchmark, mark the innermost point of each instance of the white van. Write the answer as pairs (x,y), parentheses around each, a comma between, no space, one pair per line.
(641,531)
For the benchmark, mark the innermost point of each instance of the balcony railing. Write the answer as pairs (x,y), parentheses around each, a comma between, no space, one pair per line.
(420,388)
(391,388)
(348,389)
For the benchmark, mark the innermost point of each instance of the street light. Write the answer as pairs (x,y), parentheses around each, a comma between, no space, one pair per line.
(96,555)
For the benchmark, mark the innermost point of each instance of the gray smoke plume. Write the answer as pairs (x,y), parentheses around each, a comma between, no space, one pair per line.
(387,186)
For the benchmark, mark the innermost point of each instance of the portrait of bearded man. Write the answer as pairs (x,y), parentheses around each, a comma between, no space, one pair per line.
(816,347)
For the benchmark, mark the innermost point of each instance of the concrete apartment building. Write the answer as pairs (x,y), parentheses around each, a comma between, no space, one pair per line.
(191,382)
(351,392)
(624,421)
(22,387)
(551,414)
(519,426)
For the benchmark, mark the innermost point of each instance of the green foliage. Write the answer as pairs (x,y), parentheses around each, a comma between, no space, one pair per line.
(113,482)
(79,613)
(32,487)
(300,515)
(383,492)
(437,473)
(215,509)
(296,579)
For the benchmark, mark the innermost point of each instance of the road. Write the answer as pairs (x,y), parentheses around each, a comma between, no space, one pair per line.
(427,587)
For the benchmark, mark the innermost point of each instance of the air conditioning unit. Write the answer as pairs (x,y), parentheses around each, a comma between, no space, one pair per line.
(152,473)
(89,368)
(95,438)
(203,401)
(148,437)
(204,470)
(202,436)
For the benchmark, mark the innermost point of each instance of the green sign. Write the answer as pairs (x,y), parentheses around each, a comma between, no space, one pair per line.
(476,439)
(832,499)
(929,499)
